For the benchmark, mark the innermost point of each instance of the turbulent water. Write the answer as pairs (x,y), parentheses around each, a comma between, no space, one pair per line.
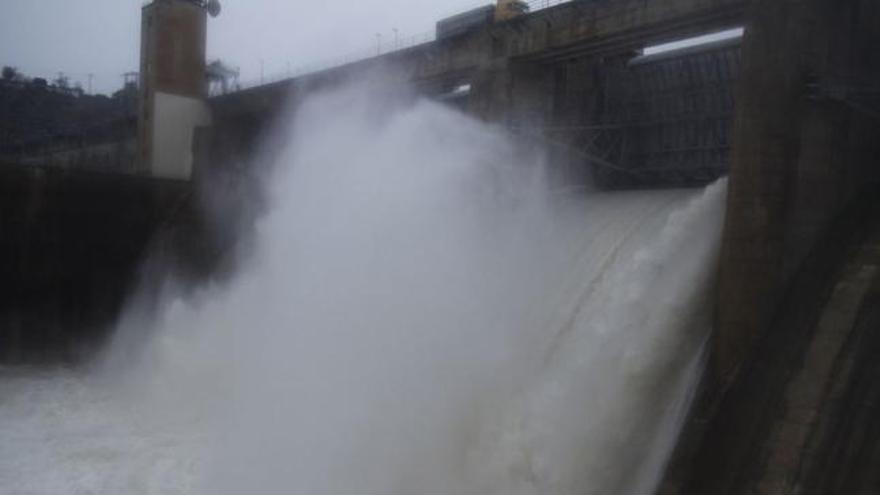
(422,312)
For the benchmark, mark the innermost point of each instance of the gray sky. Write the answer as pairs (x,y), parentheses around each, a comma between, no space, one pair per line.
(78,37)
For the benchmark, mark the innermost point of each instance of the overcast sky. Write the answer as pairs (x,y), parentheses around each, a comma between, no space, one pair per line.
(101,37)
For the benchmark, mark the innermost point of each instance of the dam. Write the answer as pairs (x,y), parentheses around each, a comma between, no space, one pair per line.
(536,254)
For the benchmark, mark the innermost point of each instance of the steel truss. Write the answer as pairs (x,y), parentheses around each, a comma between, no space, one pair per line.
(659,122)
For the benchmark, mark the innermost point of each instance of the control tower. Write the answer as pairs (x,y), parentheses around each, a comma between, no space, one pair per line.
(173,85)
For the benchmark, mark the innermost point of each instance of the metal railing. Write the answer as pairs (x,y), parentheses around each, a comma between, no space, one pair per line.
(535,5)
(382,47)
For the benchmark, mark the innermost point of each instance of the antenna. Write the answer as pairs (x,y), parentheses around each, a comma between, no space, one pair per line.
(213,7)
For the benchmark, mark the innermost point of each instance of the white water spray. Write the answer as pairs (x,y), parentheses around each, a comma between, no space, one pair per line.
(422,314)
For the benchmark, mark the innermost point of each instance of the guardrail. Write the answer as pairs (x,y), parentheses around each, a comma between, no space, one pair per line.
(380,48)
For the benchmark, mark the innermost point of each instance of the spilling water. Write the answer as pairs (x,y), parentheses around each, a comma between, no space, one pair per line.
(422,313)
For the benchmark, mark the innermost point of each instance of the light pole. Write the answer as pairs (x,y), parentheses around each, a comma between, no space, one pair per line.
(396,45)
(378,44)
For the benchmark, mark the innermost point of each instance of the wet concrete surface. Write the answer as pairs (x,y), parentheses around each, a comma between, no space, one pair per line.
(801,417)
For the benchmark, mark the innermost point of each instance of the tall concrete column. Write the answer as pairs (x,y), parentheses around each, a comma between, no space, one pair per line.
(795,162)
(173,86)
(765,150)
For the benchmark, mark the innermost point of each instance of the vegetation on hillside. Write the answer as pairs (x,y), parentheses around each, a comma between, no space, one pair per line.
(35,112)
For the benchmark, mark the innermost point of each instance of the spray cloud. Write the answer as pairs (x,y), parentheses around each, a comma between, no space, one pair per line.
(423,314)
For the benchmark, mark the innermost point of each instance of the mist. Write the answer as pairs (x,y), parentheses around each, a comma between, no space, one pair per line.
(422,311)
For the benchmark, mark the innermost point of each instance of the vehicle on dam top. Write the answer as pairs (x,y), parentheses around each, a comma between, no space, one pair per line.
(479,17)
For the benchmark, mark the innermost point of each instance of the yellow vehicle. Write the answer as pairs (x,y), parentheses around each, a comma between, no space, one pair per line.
(508,9)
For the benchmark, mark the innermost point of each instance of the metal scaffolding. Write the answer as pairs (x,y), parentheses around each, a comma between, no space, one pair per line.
(657,119)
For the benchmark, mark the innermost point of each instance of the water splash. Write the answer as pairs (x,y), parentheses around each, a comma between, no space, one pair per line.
(421,314)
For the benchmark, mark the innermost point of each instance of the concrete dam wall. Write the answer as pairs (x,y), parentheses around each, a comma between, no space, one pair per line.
(788,113)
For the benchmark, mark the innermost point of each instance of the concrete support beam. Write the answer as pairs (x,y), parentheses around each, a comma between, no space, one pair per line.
(587,27)
(513,94)
(796,161)
(766,148)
